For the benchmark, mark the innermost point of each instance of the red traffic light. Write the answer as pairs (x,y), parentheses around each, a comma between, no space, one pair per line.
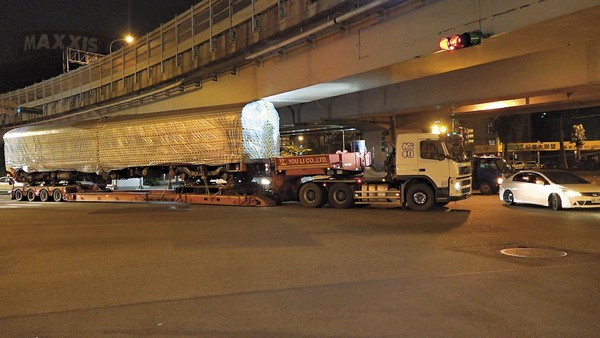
(451,43)
(461,41)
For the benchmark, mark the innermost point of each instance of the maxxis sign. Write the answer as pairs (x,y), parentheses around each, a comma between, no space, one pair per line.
(40,42)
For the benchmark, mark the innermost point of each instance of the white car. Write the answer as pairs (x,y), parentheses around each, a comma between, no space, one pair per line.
(6,184)
(520,165)
(556,189)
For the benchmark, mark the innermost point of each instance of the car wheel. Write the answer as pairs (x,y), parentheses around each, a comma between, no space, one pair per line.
(508,197)
(419,197)
(554,202)
(485,188)
(312,195)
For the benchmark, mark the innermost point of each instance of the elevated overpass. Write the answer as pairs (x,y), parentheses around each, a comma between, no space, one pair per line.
(327,60)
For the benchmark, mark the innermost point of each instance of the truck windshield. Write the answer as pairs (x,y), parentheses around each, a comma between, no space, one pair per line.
(456,148)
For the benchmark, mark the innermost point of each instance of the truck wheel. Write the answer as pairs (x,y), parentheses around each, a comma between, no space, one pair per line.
(419,197)
(341,196)
(57,195)
(31,195)
(19,195)
(485,188)
(312,195)
(44,196)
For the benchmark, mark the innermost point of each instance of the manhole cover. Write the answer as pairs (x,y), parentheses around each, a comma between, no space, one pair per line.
(533,253)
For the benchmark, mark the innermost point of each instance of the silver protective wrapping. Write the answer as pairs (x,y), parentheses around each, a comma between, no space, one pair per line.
(61,147)
(210,138)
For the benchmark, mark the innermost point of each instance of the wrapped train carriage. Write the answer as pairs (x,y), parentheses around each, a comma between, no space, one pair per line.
(229,143)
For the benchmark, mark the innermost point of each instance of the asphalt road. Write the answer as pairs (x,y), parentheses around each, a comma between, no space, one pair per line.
(164,270)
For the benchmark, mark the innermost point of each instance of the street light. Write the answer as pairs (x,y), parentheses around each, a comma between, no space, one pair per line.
(438,128)
(129,39)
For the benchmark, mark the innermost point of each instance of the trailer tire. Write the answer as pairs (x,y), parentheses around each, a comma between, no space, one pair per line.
(419,197)
(341,196)
(312,195)
(18,195)
(57,195)
(44,196)
(31,195)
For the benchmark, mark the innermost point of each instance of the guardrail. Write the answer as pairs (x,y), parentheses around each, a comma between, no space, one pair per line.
(206,34)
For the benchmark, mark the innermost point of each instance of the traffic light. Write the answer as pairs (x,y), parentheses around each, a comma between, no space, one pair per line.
(461,40)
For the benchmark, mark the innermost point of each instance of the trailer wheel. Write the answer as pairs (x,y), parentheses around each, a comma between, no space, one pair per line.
(341,196)
(19,195)
(312,195)
(44,196)
(419,197)
(31,195)
(57,195)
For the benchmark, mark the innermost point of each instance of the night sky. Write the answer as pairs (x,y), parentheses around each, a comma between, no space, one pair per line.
(110,19)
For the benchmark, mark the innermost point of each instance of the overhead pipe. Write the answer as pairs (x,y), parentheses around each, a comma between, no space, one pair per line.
(330,23)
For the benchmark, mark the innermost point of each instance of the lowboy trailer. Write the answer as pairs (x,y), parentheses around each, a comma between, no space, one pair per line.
(91,193)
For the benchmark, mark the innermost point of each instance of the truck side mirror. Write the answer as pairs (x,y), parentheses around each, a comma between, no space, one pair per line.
(441,157)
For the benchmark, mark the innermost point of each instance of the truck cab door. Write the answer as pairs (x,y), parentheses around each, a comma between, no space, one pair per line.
(431,162)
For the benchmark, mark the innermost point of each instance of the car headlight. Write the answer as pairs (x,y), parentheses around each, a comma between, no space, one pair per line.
(500,180)
(572,193)
(265,181)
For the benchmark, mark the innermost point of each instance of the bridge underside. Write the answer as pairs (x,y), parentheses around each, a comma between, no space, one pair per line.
(547,66)
(385,66)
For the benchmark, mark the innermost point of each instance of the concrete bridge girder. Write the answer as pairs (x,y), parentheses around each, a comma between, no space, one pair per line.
(387,64)
(561,78)
(402,48)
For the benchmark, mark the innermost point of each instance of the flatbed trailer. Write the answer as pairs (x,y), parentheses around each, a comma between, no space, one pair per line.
(78,193)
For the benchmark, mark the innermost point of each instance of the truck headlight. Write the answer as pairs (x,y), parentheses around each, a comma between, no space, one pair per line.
(457,186)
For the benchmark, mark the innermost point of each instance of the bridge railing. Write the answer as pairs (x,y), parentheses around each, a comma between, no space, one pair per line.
(205,34)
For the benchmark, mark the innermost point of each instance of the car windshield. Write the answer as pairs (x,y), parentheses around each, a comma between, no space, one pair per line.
(564,177)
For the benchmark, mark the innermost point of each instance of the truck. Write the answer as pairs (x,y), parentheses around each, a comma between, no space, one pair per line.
(488,173)
(423,170)
(220,156)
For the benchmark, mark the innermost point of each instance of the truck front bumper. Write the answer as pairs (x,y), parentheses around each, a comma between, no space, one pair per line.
(457,190)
